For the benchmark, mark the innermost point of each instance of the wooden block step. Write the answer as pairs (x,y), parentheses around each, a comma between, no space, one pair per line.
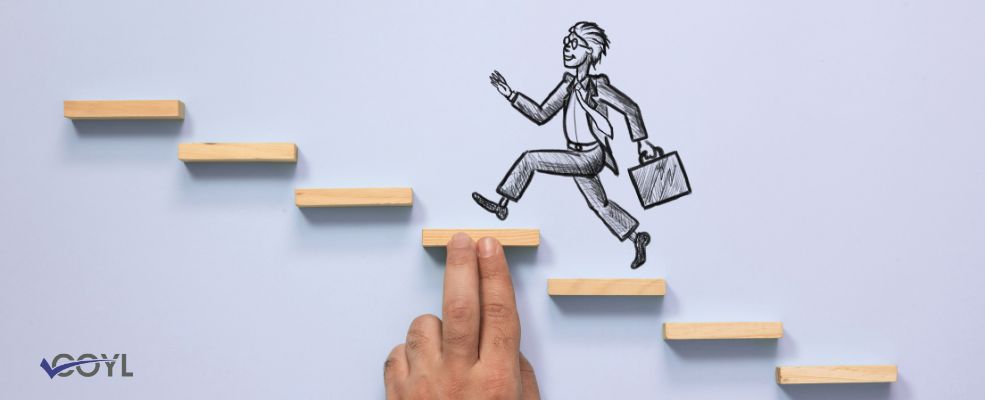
(606,287)
(365,197)
(508,237)
(802,375)
(238,152)
(124,109)
(722,330)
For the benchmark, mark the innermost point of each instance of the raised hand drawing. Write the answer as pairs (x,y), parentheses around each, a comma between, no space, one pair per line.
(586,100)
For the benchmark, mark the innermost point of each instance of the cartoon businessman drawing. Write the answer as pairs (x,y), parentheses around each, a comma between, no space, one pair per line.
(585,102)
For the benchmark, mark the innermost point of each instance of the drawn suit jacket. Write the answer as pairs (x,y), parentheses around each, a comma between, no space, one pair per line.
(601,97)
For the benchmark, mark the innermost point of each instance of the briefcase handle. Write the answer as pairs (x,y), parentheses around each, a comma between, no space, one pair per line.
(657,153)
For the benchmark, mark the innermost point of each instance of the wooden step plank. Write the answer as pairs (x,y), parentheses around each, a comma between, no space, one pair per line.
(124,109)
(238,152)
(829,374)
(606,287)
(508,237)
(354,197)
(722,330)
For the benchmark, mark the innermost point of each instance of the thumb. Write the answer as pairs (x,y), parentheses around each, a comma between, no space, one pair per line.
(528,381)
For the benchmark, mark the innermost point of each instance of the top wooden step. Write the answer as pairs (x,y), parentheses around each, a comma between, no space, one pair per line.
(124,109)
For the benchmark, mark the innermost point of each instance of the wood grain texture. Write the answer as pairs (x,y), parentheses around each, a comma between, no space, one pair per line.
(508,237)
(722,330)
(606,287)
(354,197)
(803,375)
(238,152)
(124,109)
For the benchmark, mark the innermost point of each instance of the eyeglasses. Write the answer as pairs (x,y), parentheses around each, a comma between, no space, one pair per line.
(572,42)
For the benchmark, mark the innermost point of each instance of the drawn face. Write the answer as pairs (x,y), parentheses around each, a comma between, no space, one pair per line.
(576,51)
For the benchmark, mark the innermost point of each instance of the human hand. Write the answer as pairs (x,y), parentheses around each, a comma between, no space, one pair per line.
(474,353)
(649,150)
(497,80)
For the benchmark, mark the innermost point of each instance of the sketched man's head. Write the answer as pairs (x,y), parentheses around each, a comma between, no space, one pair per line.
(586,43)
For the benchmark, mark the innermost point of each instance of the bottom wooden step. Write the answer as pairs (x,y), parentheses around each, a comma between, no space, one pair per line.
(802,375)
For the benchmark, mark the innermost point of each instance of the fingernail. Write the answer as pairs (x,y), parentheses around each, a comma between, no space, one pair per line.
(460,240)
(487,247)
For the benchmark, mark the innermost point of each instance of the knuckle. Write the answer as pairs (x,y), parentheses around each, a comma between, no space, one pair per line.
(459,311)
(417,335)
(497,311)
(455,387)
(416,339)
(457,337)
(421,390)
(502,339)
(392,361)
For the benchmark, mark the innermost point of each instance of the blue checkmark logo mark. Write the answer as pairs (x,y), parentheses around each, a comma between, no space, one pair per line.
(54,371)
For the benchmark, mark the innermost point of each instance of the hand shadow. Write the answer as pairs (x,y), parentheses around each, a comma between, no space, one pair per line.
(608,306)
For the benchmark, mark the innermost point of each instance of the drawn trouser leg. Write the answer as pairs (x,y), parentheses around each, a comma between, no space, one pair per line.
(619,222)
(554,162)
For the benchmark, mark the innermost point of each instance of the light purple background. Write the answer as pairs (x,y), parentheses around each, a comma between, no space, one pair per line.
(835,149)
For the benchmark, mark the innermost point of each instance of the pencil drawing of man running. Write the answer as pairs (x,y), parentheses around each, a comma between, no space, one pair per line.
(584,101)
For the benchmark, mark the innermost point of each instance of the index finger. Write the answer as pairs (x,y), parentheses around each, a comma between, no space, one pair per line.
(460,307)
(499,337)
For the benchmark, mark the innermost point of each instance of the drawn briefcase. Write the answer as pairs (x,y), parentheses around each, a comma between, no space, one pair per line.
(659,179)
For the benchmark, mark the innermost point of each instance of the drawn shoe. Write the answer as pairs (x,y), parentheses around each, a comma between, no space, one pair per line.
(491,206)
(642,240)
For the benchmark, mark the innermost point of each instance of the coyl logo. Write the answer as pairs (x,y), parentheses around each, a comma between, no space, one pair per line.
(86,365)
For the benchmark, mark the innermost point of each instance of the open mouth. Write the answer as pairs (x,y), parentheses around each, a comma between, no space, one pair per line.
(569,58)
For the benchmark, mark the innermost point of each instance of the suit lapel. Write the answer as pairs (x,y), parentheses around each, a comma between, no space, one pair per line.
(593,93)
(593,101)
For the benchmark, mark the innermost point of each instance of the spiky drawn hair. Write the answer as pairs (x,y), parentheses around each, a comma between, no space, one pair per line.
(595,36)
